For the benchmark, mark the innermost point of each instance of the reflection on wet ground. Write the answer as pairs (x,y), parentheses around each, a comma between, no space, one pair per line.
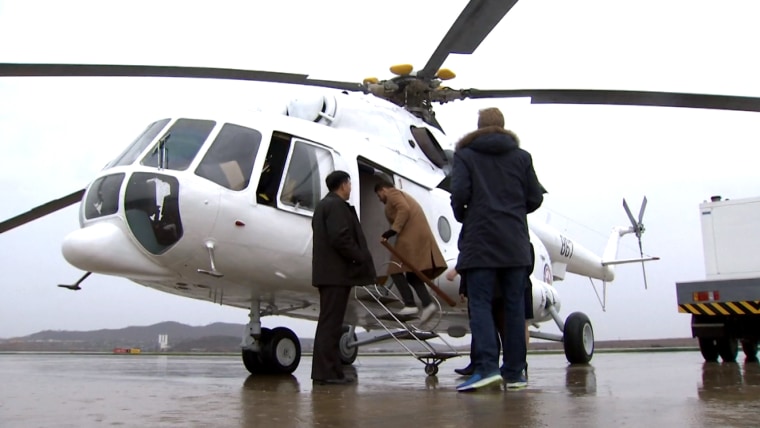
(626,389)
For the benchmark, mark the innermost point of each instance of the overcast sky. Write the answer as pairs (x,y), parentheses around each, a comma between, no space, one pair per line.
(56,133)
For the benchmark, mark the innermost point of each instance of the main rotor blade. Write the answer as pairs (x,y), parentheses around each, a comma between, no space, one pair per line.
(41,211)
(634,98)
(115,70)
(475,22)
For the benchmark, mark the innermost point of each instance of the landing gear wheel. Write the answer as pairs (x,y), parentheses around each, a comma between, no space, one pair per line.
(282,352)
(347,353)
(749,347)
(709,349)
(728,348)
(253,361)
(578,338)
(431,369)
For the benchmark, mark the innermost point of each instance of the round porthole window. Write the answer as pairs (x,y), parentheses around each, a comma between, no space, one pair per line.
(444,229)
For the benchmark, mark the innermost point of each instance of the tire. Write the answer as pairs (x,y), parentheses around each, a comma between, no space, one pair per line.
(282,352)
(728,348)
(709,349)
(254,361)
(431,369)
(578,338)
(347,354)
(749,346)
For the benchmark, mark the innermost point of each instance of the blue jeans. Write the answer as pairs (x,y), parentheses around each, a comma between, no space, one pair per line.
(481,284)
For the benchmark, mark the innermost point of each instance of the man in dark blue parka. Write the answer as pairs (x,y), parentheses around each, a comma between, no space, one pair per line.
(493,188)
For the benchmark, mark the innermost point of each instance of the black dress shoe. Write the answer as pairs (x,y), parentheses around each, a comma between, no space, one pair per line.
(467,371)
(338,381)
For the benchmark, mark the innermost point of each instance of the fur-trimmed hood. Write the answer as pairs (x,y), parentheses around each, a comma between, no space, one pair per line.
(490,139)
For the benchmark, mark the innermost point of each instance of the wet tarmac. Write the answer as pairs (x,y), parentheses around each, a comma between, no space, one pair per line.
(617,389)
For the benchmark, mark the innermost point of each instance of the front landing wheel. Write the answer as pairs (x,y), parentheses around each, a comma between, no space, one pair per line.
(348,354)
(431,369)
(578,338)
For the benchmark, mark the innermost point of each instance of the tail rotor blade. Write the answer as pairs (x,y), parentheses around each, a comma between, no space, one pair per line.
(630,217)
(641,211)
(643,269)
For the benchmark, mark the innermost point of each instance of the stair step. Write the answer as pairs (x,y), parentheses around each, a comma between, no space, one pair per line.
(403,318)
(421,335)
(385,300)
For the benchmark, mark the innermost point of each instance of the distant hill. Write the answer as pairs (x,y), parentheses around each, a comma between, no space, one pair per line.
(226,337)
(144,337)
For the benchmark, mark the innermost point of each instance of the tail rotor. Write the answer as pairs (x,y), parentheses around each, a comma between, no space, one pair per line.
(637,228)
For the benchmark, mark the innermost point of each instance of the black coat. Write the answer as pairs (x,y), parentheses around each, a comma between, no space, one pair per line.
(340,254)
(493,188)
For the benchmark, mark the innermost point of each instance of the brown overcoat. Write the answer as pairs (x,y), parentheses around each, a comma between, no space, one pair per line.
(415,241)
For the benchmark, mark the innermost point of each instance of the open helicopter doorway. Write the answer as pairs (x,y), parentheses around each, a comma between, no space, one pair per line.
(372,212)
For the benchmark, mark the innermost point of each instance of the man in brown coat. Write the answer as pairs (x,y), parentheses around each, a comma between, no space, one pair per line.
(415,243)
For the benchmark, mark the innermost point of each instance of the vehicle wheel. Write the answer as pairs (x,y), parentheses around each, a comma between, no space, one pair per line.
(347,353)
(709,349)
(283,351)
(728,348)
(253,360)
(578,338)
(749,347)
(431,369)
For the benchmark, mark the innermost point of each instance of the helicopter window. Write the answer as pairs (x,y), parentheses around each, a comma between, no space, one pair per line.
(103,196)
(133,150)
(229,161)
(444,229)
(274,165)
(179,145)
(429,146)
(304,186)
(151,206)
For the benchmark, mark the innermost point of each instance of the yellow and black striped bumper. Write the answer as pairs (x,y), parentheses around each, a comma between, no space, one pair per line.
(721,308)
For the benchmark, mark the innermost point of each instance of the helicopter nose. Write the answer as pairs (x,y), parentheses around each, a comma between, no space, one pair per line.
(104,247)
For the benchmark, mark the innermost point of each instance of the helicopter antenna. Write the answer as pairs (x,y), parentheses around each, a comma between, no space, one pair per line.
(637,227)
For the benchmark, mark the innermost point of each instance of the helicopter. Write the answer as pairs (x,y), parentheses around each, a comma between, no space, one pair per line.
(372,129)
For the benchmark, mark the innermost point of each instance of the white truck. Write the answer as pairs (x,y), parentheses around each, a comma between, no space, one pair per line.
(725,307)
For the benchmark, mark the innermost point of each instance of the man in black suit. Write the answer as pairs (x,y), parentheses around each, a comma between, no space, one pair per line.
(340,260)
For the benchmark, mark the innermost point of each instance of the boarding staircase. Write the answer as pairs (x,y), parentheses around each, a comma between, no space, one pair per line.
(381,303)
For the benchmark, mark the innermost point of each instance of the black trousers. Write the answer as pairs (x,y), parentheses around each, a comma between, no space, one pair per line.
(326,363)
(403,281)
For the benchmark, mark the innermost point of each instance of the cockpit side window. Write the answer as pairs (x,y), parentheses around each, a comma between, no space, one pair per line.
(229,160)
(178,146)
(304,182)
(141,142)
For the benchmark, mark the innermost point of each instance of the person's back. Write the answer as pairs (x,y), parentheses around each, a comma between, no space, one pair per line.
(493,205)
(493,188)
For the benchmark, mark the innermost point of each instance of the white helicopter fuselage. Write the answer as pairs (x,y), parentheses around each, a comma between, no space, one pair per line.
(192,219)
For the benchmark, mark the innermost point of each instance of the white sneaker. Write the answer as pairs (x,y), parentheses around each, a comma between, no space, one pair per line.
(428,312)
(408,310)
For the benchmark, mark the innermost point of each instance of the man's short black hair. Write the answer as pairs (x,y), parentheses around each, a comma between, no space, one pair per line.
(335,179)
(383,185)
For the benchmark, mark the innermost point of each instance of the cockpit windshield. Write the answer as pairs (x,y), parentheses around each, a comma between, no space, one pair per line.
(133,150)
(179,145)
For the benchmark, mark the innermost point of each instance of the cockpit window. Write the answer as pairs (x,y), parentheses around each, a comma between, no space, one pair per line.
(229,160)
(103,196)
(133,150)
(151,206)
(179,145)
